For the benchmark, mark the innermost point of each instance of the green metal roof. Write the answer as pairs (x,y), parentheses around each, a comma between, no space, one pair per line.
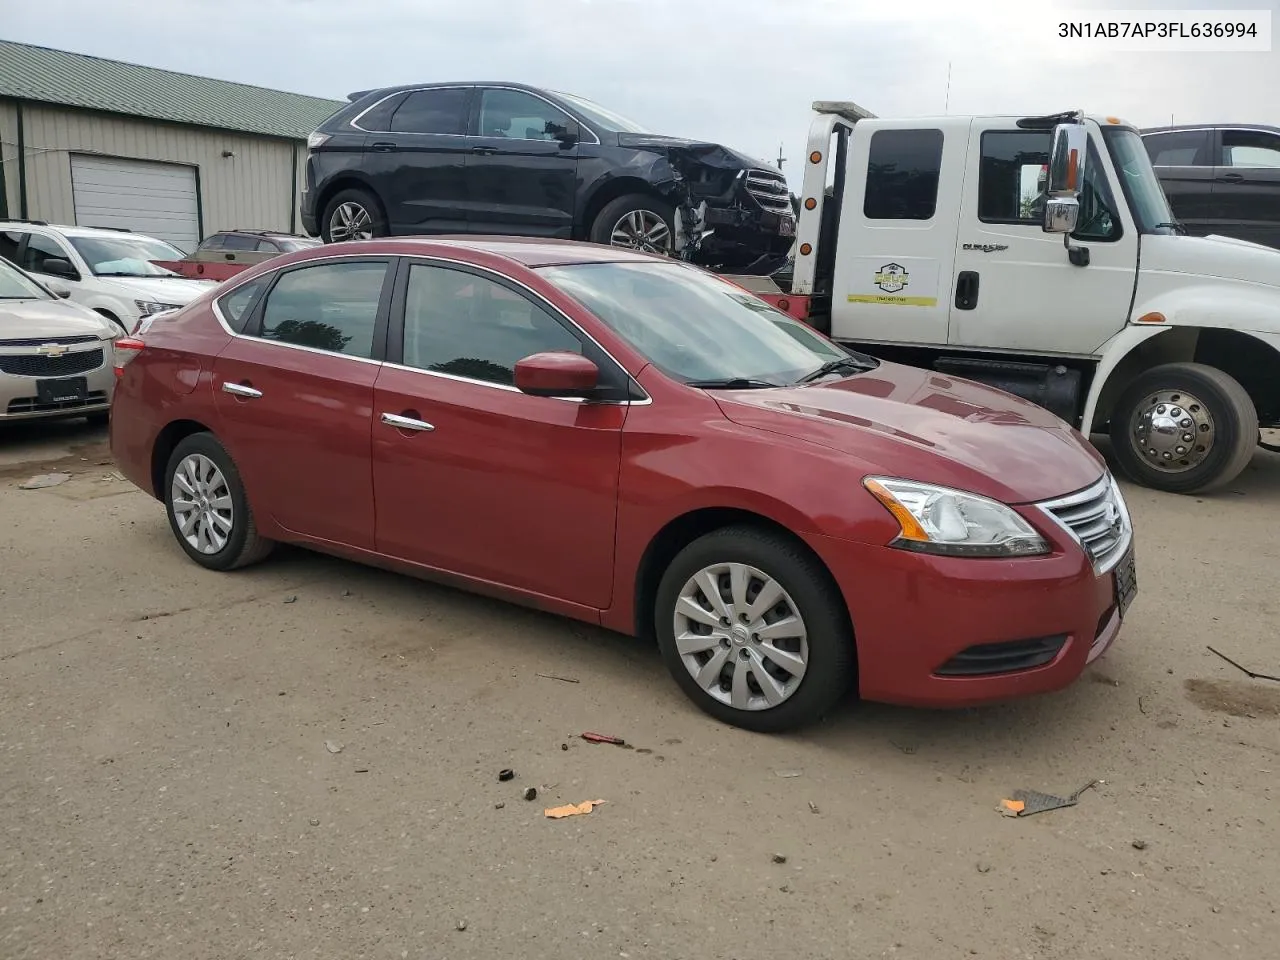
(75,80)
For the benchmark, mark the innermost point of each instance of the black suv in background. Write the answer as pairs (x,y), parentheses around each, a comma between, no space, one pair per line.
(1222,179)
(509,159)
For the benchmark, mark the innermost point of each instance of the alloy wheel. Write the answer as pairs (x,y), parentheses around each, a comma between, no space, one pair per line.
(350,221)
(642,230)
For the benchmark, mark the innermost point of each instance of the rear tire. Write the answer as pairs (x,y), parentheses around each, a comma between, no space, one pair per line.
(353,214)
(796,656)
(1170,403)
(636,222)
(208,511)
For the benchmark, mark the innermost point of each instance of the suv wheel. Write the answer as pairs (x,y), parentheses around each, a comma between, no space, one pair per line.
(637,222)
(353,214)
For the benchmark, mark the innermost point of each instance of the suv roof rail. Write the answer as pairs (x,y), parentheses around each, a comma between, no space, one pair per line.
(114,229)
(845,109)
(37,223)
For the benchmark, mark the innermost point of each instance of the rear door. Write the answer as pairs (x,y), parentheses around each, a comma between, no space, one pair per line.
(521,179)
(898,232)
(1183,160)
(1246,187)
(295,396)
(415,159)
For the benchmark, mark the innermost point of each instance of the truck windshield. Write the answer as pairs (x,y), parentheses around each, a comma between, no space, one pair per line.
(698,328)
(1138,180)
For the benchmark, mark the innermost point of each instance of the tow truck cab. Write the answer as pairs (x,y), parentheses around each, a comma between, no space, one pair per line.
(1039,255)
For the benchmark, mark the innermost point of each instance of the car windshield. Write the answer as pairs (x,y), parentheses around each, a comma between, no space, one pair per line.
(601,118)
(292,244)
(1138,180)
(696,327)
(16,285)
(126,256)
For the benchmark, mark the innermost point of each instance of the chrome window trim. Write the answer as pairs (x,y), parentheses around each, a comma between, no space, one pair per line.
(1105,483)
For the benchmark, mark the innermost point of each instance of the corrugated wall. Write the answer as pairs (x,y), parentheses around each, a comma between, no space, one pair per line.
(249,190)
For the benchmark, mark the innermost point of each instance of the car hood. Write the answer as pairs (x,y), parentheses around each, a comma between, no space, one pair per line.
(176,290)
(920,425)
(34,319)
(1223,258)
(711,154)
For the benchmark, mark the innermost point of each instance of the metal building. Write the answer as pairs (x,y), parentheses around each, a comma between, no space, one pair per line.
(100,143)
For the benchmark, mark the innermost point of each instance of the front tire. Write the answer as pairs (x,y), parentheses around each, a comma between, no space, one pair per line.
(352,214)
(1184,428)
(754,631)
(208,511)
(636,222)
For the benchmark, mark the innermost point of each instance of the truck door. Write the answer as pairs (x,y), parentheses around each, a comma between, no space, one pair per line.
(898,225)
(1014,287)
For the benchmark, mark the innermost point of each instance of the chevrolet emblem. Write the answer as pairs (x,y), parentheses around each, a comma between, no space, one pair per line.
(51,350)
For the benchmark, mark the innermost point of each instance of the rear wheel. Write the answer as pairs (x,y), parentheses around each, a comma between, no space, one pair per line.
(1184,428)
(636,222)
(208,511)
(352,214)
(753,630)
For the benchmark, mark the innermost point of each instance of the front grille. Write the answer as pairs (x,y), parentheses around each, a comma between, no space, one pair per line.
(769,190)
(35,365)
(94,398)
(1098,520)
(41,341)
(987,659)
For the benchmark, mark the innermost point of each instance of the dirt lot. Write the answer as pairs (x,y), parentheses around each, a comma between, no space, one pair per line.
(166,789)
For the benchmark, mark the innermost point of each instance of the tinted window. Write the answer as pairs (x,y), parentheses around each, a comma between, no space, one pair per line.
(902,174)
(235,306)
(265,246)
(238,241)
(213,243)
(379,117)
(331,307)
(10,241)
(469,326)
(432,111)
(1183,148)
(38,249)
(518,116)
(1249,148)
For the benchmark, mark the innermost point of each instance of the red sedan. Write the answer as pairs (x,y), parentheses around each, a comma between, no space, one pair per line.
(636,443)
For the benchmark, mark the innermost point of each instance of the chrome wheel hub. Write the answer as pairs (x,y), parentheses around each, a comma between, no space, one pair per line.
(741,636)
(1172,430)
(350,221)
(202,504)
(642,230)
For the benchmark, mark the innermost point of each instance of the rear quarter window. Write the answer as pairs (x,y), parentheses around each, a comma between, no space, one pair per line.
(237,305)
(902,175)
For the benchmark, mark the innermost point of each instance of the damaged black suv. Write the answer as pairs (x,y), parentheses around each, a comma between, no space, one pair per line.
(505,158)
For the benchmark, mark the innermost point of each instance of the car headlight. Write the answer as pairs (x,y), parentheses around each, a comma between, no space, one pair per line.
(148,307)
(954,523)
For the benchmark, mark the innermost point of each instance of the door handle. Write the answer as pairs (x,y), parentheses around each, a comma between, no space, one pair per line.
(484,151)
(240,390)
(1231,178)
(401,422)
(229,256)
(383,147)
(967,290)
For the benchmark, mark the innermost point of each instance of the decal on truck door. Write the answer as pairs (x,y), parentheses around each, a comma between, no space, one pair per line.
(905,282)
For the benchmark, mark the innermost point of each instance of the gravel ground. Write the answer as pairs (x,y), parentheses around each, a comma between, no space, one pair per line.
(301,759)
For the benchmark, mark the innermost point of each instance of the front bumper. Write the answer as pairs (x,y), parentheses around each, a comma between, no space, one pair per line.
(926,627)
(20,397)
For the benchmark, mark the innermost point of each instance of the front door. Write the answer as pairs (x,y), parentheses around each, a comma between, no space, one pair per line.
(1014,287)
(473,477)
(520,179)
(415,159)
(295,397)
(1246,188)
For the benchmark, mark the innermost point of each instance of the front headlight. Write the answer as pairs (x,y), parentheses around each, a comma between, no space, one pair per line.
(954,523)
(148,307)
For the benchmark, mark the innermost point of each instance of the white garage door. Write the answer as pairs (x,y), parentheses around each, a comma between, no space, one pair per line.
(156,199)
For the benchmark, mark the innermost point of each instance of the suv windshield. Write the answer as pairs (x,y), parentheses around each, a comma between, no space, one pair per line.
(696,327)
(292,244)
(1138,179)
(126,256)
(16,285)
(601,118)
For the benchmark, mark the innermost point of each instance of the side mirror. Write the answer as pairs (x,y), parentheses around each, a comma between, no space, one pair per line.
(568,133)
(59,267)
(1066,177)
(556,374)
(58,288)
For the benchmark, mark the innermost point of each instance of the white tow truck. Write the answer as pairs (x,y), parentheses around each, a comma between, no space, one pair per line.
(1039,255)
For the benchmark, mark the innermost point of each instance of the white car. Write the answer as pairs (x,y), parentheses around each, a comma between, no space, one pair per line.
(108,271)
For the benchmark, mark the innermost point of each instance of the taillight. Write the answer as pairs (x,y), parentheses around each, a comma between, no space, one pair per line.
(124,350)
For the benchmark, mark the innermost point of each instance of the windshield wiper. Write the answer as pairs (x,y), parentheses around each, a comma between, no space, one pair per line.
(851,364)
(732,383)
(1173,225)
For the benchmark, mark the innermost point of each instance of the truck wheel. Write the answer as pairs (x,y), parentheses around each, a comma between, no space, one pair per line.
(753,630)
(352,214)
(1184,428)
(637,222)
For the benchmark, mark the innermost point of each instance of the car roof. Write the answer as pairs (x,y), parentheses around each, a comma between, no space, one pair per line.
(68,229)
(251,231)
(385,91)
(527,251)
(1175,128)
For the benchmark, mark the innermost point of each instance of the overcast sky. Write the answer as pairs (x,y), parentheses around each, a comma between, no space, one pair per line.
(741,72)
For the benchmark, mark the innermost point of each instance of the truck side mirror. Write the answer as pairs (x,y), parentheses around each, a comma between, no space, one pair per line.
(1066,177)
